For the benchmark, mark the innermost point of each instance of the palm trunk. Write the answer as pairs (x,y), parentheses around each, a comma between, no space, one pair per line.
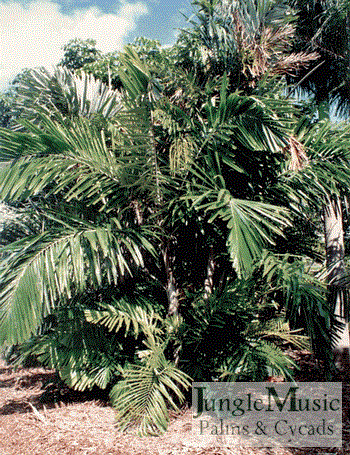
(173,296)
(172,293)
(334,241)
(171,290)
(209,280)
(154,159)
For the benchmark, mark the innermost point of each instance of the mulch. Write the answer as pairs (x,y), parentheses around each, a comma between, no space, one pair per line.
(37,417)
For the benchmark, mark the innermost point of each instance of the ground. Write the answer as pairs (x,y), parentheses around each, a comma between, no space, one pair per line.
(37,418)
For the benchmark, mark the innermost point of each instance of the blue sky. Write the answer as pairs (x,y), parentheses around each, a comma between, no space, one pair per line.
(160,23)
(32,32)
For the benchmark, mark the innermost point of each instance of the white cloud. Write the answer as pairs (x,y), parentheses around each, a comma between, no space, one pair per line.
(33,35)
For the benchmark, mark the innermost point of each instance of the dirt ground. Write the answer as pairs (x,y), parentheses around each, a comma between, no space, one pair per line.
(38,419)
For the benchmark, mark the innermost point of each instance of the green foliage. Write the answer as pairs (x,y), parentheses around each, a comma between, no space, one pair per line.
(147,388)
(146,392)
(305,297)
(6,109)
(223,337)
(84,355)
(39,270)
(63,93)
(323,27)
(78,53)
(249,40)
(151,259)
(249,224)
(328,155)
(105,69)
(237,335)
(9,110)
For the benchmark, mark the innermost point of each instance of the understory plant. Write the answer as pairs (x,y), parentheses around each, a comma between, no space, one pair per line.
(147,359)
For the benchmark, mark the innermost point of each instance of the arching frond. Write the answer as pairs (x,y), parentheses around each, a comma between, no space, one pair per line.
(65,93)
(250,224)
(40,271)
(146,392)
(85,356)
(123,315)
(72,158)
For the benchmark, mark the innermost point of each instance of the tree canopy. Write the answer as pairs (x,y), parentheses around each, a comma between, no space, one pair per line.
(78,53)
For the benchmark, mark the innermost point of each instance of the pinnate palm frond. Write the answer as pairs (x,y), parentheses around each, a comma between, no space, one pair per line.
(146,392)
(252,122)
(74,158)
(83,355)
(148,389)
(227,335)
(40,271)
(136,77)
(305,297)
(256,359)
(326,170)
(250,224)
(291,63)
(124,315)
(85,372)
(279,329)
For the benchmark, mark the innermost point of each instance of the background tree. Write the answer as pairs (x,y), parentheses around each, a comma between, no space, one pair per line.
(78,53)
(9,108)
(106,67)
(6,111)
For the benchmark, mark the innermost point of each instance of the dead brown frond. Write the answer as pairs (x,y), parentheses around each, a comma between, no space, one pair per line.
(178,95)
(277,40)
(296,151)
(268,53)
(293,62)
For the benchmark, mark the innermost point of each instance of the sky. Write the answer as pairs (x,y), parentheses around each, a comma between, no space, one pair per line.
(33,32)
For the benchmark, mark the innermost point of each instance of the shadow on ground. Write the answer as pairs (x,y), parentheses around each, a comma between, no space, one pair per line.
(48,390)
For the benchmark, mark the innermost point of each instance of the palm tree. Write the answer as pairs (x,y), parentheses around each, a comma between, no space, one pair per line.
(250,41)
(253,42)
(158,221)
(120,197)
(323,27)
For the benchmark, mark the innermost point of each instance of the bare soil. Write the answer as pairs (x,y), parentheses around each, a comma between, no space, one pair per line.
(37,418)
